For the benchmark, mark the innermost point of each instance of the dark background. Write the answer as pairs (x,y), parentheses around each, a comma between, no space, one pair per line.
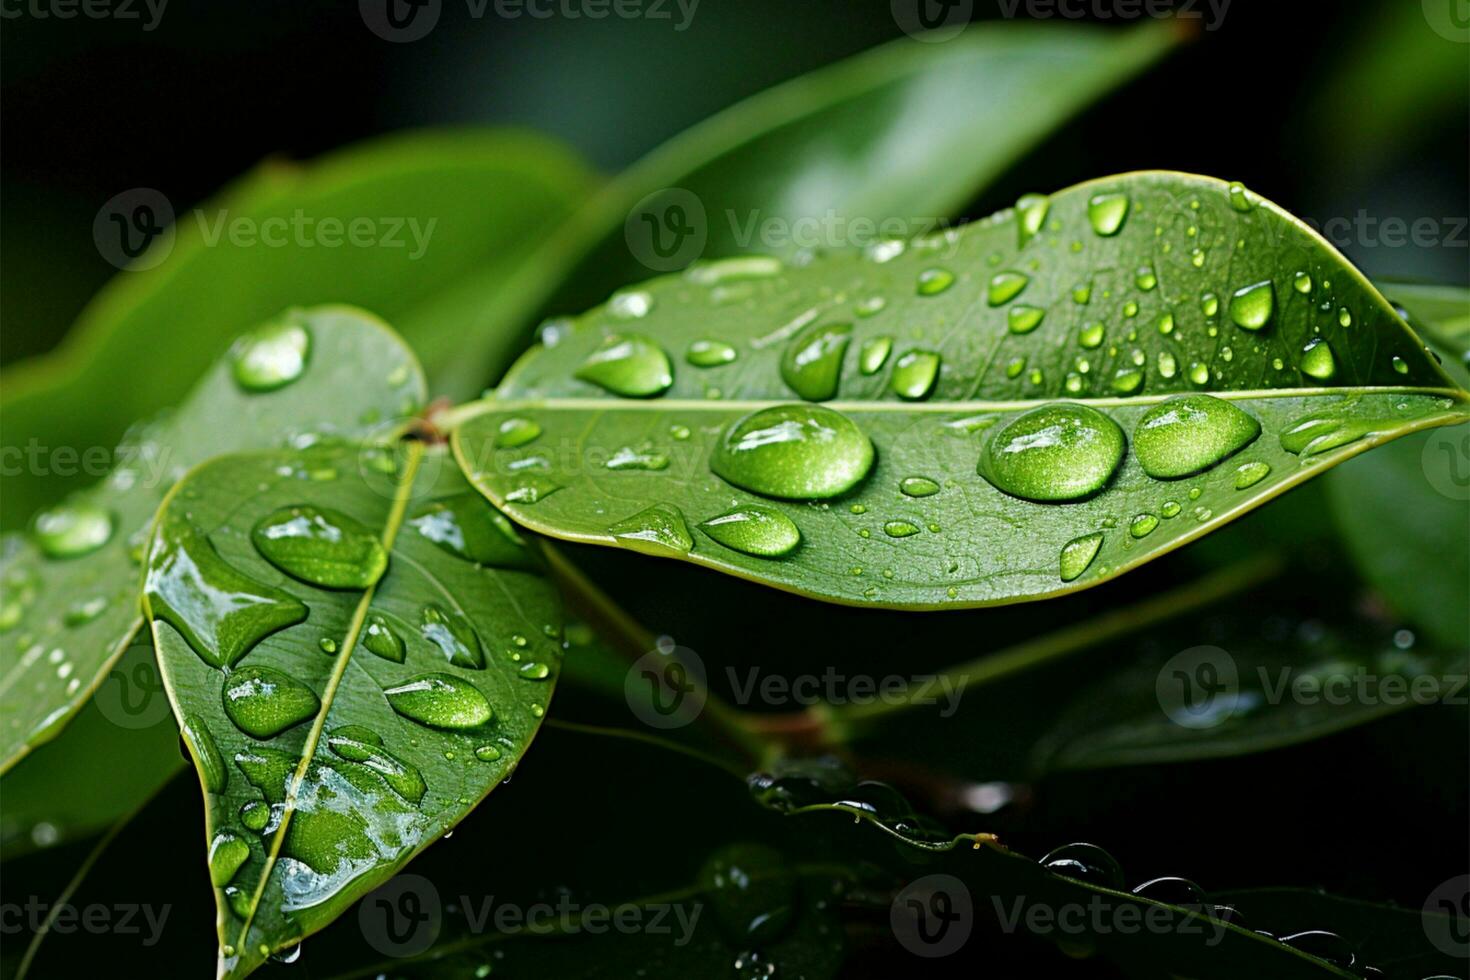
(1326,108)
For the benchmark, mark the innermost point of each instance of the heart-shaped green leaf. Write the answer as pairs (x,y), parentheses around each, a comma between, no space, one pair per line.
(1031,405)
(70,602)
(341,717)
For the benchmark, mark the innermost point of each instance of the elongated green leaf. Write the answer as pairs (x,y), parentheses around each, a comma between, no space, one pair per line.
(433,230)
(341,717)
(949,357)
(70,604)
(900,137)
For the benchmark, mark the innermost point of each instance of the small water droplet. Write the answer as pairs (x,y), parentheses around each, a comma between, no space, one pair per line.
(273,355)
(658,530)
(1005,286)
(1170,509)
(1302,283)
(1091,335)
(899,529)
(812,364)
(452,633)
(1107,212)
(440,701)
(632,305)
(630,365)
(874,354)
(871,306)
(1240,198)
(708,352)
(1199,373)
(515,432)
(1251,307)
(1249,474)
(918,486)
(914,374)
(1078,554)
(1145,278)
(1142,525)
(1022,319)
(1317,360)
(934,281)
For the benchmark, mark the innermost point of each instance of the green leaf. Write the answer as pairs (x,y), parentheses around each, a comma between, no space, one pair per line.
(483,203)
(947,357)
(340,728)
(902,137)
(68,618)
(1207,702)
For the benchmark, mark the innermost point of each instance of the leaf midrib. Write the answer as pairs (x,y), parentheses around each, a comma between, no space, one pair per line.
(489,405)
(349,645)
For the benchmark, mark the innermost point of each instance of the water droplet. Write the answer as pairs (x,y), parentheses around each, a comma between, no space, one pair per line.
(226,853)
(221,612)
(321,547)
(1126,381)
(1022,319)
(1092,335)
(1142,525)
(487,753)
(914,374)
(206,754)
(358,744)
(871,306)
(1053,453)
(83,611)
(255,815)
(1005,286)
(1190,433)
(273,355)
(1344,317)
(918,486)
(874,354)
(1199,373)
(264,702)
(453,635)
(1209,304)
(1249,474)
(327,644)
(1240,198)
(755,530)
(934,281)
(526,488)
(467,527)
(628,458)
(515,432)
(630,365)
(1085,862)
(812,364)
(659,530)
(1251,306)
(797,452)
(735,269)
(1107,212)
(72,530)
(1317,360)
(533,670)
(1145,278)
(1166,324)
(899,529)
(1031,212)
(709,352)
(440,701)
(1078,554)
(633,305)
(1168,367)
(1302,283)
(1400,365)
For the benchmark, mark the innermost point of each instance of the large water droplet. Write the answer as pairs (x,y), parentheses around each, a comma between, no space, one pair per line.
(382,640)
(321,547)
(754,529)
(914,374)
(630,365)
(72,530)
(812,363)
(358,744)
(1107,212)
(264,702)
(440,701)
(1190,433)
(796,452)
(708,352)
(1251,306)
(226,853)
(1078,554)
(273,355)
(1318,360)
(453,635)
(221,612)
(1053,453)
(658,530)
(466,526)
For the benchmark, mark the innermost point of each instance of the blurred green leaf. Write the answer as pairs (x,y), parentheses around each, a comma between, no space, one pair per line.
(482,202)
(890,143)
(67,618)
